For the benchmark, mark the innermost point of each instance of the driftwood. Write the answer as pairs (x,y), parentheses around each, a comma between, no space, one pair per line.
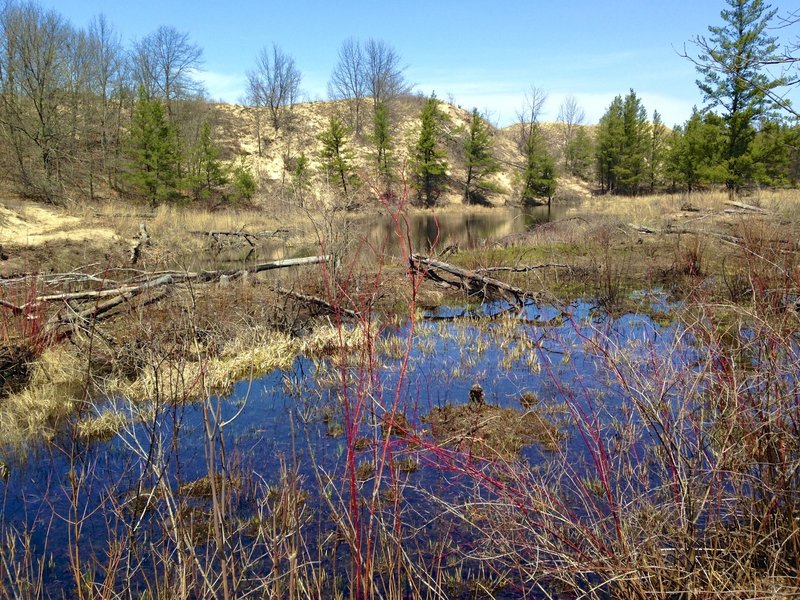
(524,268)
(94,311)
(139,243)
(249,238)
(670,229)
(92,305)
(746,207)
(308,299)
(470,281)
(641,228)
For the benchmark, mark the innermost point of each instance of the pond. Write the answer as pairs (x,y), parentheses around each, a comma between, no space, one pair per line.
(307,422)
(467,229)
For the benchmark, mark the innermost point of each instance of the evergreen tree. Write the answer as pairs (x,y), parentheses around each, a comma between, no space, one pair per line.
(429,162)
(610,144)
(244,183)
(696,150)
(579,153)
(382,138)
(623,140)
(153,151)
(207,173)
(731,64)
(301,178)
(658,150)
(336,156)
(539,176)
(632,168)
(772,148)
(479,160)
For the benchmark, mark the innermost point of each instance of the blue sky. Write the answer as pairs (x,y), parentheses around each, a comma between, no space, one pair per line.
(482,54)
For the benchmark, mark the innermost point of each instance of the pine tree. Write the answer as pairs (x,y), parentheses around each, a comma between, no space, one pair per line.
(301,178)
(658,149)
(153,151)
(631,171)
(623,139)
(429,163)
(382,138)
(695,154)
(579,153)
(539,176)
(207,172)
(479,160)
(610,145)
(336,156)
(771,151)
(731,64)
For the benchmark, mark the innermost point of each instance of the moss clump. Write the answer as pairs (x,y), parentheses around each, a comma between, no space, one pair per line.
(202,487)
(490,432)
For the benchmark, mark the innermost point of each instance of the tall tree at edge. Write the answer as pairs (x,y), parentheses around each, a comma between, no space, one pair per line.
(731,63)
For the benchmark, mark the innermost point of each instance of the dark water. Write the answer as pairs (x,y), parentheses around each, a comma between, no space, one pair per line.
(280,416)
(466,229)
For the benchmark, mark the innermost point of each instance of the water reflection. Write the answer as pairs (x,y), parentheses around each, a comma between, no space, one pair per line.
(468,229)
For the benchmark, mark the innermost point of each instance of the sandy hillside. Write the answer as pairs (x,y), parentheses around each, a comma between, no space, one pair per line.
(236,132)
(34,225)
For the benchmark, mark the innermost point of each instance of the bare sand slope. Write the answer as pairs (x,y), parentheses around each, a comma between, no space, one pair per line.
(32,225)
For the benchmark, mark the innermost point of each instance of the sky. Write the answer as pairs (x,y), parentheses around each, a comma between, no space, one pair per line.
(479,54)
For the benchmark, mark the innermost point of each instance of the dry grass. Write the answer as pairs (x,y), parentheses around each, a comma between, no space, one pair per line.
(102,427)
(490,432)
(55,391)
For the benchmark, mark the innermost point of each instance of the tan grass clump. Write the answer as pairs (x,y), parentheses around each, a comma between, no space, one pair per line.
(56,387)
(250,355)
(102,427)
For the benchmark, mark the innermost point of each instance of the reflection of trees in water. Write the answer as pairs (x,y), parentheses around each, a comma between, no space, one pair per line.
(467,229)
(536,216)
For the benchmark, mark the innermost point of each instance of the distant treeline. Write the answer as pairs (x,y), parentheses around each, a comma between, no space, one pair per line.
(82,114)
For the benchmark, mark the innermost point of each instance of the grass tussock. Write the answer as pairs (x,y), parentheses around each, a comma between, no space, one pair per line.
(57,387)
(102,427)
(249,355)
(490,432)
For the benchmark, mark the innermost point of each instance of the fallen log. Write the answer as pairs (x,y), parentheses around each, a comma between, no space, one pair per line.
(470,281)
(108,299)
(746,207)
(244,234)
(139,243)
(206,276)
(216,236)
(308,299)
(170,277)
(99,308)
(641,228)
(524,268)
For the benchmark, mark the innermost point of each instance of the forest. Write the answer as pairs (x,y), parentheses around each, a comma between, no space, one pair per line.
(84,116)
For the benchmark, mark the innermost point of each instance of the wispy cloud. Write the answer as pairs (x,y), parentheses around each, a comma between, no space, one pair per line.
(223,86)
(501,94)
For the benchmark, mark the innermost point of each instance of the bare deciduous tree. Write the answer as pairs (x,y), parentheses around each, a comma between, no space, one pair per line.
(383,72)
(371,69)
(570,115)
(275,83)
(108,87)
(348,81)
(528,116)
(165,61)
(35,79)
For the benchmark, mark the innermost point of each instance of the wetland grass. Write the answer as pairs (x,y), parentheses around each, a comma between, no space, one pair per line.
(669,470)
